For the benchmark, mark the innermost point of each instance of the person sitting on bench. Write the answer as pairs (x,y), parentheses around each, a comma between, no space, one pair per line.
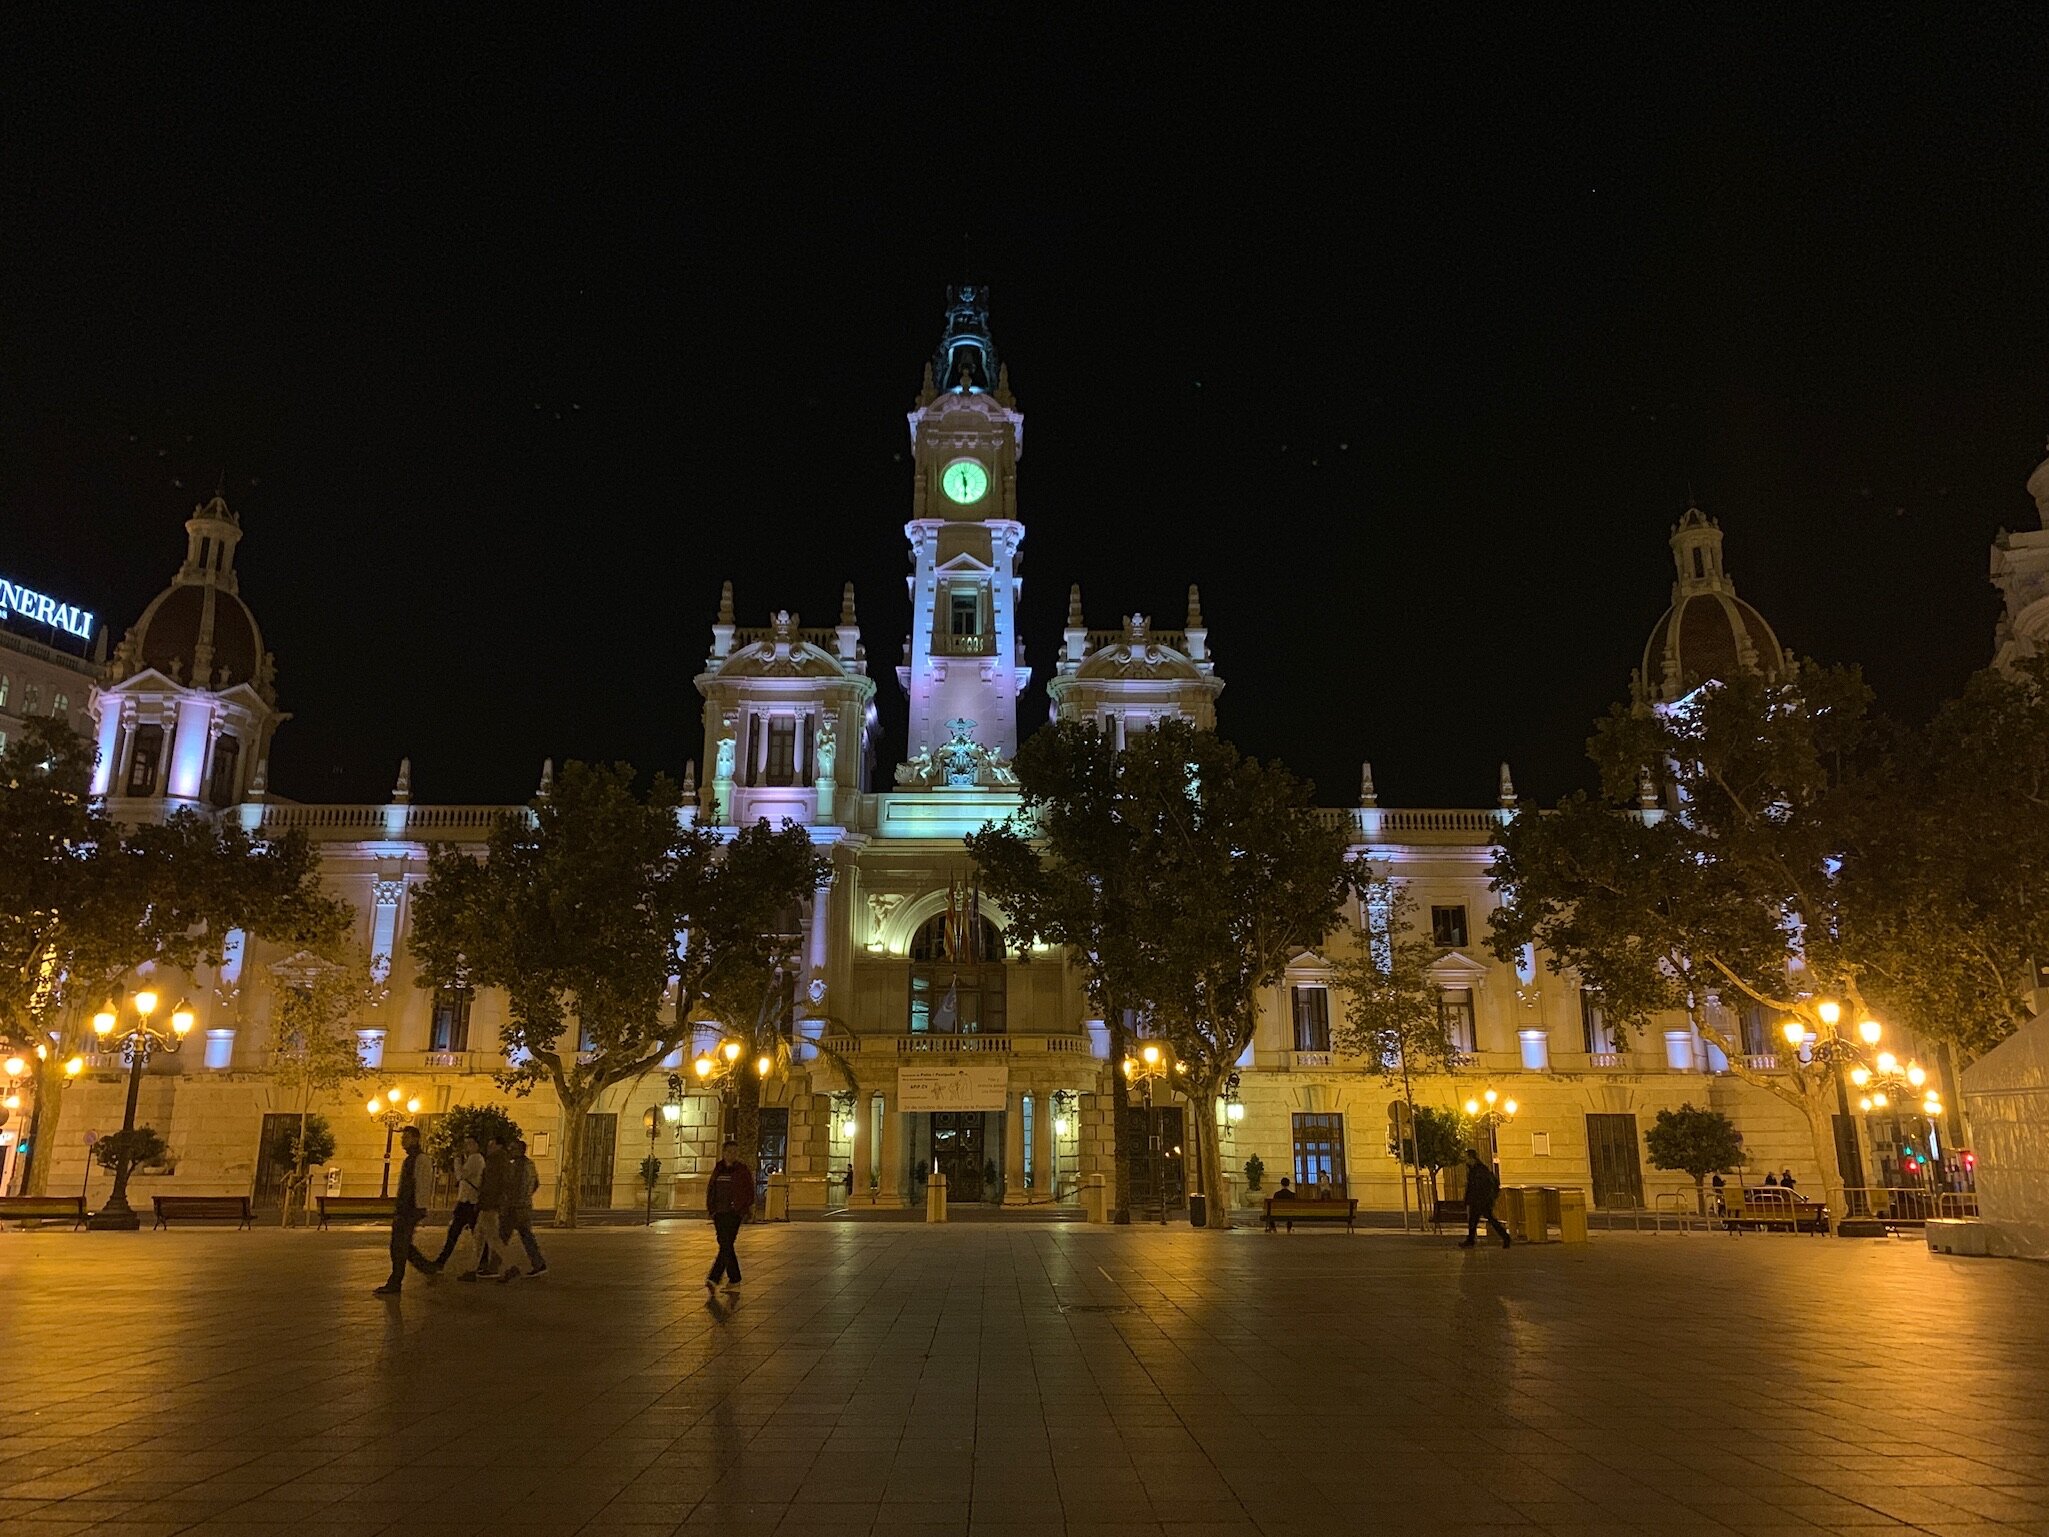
(1285,1193)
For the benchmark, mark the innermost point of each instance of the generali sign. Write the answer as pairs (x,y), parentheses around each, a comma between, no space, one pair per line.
(43,609)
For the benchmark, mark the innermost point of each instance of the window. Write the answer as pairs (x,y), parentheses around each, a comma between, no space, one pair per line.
(31,698)
(227,757)
(957,994)
(1028,1112)
(1699,563)
(773,1153)
(60,706)
(1320,1151)
(964,614)
(1455,1015)
(450,1030)
(1757,1033)
(1600,1035)
(1312,1019)
(143,760)
(6,686)
(782,750)
(1448,927)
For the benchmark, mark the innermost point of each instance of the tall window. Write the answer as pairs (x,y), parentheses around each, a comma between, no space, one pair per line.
(782,750)
(1448,926)
(31,698)
(144,759)
(1319,1151)
(964,614)
(60,706)
(773,1154)
(6,686)
(1312,1019)
(1455,1015)
(1600,1035)
(1028,1112)
(957,994)
(227,756)
(1757,1031)
(451,1027)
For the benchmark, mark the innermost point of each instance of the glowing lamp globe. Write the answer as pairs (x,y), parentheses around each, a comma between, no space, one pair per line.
(1916,1074)
(1887,1062)
(13,1067)
(1880,1100)
(732,1051)
(1830,1011)
(703,1065)
(848,1127)
(1870,1031)
(1472,1107)
(672,1112)
(12,1102)
(145,1003)
(377,1106)
(1059,1125)
(103,1023)
(763,1065)
(1860,1075)
(1794,1032)
(1151,1055)
(74,1067)
(412,1107)
(1234,1112)
(182,1019)
(1509,1106)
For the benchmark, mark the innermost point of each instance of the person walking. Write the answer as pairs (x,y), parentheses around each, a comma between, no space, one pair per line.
(412,1207)
(728,1196)
(491,1191)
(1483,1185)
(469,1174)
(521,1182)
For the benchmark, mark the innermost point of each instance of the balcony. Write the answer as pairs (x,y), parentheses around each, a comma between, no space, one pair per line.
(965,645)
(938,1044)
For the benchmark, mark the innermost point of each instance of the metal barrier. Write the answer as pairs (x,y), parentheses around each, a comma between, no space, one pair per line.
(1909,1206)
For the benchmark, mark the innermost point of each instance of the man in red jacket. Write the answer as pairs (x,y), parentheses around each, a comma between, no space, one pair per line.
(728,1196)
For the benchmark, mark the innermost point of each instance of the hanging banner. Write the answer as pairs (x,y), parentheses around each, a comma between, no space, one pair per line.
(968,1086)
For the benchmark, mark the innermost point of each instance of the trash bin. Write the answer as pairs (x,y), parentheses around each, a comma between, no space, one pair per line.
(1539,1209)
(775,1198)
(1095,1199)
(1508,1206)
(1572,1216)
(1198,1209)
(935,1198)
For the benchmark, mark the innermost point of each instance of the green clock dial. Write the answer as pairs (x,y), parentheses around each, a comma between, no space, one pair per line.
(965,481)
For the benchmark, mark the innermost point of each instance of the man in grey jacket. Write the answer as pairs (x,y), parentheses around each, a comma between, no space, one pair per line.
(521,1182)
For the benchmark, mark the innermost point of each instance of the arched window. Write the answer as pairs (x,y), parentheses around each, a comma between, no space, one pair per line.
(957,994)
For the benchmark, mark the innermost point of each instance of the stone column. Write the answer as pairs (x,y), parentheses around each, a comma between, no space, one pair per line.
(1013,1150)
(1045,1150)
(892,1188)
(864,1114)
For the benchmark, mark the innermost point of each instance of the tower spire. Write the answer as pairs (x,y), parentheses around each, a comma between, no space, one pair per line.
(966,356)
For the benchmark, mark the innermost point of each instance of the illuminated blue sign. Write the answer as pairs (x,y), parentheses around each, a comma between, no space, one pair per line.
(30,604)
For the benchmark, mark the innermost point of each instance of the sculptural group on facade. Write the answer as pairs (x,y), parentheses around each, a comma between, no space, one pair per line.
(961,763)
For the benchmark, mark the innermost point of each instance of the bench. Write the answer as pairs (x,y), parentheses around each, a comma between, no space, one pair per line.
(1767,1207)
(357,1208)
(1339,1208)
(201,1208)
(26,1208)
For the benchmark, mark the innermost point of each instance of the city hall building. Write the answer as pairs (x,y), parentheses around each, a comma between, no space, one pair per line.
(983,1062)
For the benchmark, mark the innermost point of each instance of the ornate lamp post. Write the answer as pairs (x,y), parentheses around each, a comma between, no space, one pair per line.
(1887,1082)
(717,1069)
(140,1040)
(1841,1055)
(1153,1061)
(385,1107)
(667,1113)
(1491,1112)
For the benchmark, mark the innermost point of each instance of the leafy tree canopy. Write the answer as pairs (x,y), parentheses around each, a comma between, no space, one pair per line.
(1391,1014)
(446,1133)
(1693,1141)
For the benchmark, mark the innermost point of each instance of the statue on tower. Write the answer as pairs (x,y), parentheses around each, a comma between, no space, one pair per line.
(966,357)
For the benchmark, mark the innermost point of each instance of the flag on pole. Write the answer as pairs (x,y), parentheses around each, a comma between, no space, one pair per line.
(946,1018)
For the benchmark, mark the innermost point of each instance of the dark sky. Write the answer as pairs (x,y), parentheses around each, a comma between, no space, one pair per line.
(512,337)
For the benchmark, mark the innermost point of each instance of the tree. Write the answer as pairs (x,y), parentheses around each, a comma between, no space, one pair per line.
(1944,878)
(1438,1139)
(1733,896)
(1244,877)
(121,1152)
(445,1136)
(600,910)
(1696,1142)
(310,1143)
(1066,870)
(314,1046)
(84,902)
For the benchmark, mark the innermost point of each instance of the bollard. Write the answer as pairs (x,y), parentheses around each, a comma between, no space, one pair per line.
(775,1198)
(1095,1199)
(935,1198)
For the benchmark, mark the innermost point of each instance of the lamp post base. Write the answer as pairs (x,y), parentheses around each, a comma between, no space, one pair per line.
(116,1216)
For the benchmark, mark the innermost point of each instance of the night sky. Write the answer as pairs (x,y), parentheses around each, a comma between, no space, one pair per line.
(511,335)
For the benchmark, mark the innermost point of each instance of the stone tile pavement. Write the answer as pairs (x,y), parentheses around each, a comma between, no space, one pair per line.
(1022,1380)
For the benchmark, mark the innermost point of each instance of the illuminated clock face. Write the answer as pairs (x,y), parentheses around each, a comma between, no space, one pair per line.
(965,481)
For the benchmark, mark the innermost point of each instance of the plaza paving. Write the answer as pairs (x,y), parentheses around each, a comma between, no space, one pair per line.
(1020,1380)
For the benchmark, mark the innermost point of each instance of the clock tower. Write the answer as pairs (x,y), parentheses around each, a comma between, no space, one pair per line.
(963,660)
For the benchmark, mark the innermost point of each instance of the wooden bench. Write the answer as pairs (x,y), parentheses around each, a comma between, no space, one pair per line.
(1343,1209)
(27,1208)
(1765,1207)
(201,1208)
(357,1208)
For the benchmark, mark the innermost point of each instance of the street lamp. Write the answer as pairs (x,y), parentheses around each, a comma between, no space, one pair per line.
(1885,1083)
(140,1040)
(1491,1112)
(385,1107)
(1879,1077)
(715,1069)
(1153,1061)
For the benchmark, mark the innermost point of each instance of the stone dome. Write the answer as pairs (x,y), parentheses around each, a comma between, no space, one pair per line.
(1708,634)
(169,634)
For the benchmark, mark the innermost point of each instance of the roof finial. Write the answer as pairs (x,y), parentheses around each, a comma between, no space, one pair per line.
(402,792)
(1194,607)
(1646,789)
(547,780)
(725,603)
(1074,619)
(1368,796)
(847,604)
(690,780)
(1507,790)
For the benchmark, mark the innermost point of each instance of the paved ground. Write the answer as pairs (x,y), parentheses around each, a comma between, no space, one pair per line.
(1031,1380)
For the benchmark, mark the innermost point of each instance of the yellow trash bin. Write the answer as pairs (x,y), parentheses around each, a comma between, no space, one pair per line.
(1508,1206)
(1572,1216)
(775,1203)
(935,1198)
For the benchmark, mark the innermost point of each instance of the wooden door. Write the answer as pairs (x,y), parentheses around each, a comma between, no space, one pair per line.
(600,1152)
(1614,1162)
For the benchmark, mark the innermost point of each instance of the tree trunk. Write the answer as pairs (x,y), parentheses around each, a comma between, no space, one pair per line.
(1120,1130)
(1210,1142)
(44,1124)
(1811,1097)
(569,1161)
(1700,1193)
(1821,1124)
(747,1113)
